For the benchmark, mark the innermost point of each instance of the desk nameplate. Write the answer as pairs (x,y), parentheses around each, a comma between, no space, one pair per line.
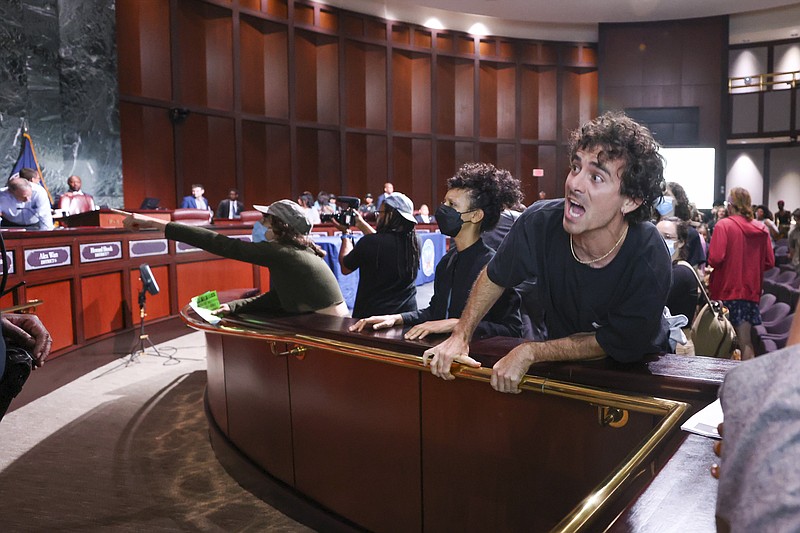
(39,258)
(100,251)
(147,247)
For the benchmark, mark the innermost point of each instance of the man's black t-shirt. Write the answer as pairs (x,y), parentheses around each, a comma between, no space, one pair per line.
(382,287)
(622,303)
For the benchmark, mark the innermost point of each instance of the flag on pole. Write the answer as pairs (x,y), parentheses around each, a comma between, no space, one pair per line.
(27,159)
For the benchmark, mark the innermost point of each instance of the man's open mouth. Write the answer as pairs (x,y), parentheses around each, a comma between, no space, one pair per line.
(575,209)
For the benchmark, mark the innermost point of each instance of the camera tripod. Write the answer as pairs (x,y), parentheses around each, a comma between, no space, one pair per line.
(143,342)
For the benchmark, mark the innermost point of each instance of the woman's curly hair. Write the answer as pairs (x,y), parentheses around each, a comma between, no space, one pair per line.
(682,209)
(620,137)
(490,189)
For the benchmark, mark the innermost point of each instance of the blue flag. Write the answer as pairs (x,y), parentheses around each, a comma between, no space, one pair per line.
(27,156)
(27,159)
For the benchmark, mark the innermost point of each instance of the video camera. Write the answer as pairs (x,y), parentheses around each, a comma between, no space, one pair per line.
(347,214)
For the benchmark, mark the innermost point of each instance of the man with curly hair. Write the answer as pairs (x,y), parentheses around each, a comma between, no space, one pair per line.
(475,197)
(602,270)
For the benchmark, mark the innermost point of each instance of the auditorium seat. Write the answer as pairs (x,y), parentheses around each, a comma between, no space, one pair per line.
(766,302)
(777,333)
(774,313)
(251,216)
(192,217)
(772,273)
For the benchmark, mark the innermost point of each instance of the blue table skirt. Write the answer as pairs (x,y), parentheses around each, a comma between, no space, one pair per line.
(432,247)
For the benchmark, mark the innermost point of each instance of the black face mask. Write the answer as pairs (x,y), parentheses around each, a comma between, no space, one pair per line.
(449,220)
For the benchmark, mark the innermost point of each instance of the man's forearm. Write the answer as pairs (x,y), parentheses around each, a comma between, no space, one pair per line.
(573,348)
(482,297)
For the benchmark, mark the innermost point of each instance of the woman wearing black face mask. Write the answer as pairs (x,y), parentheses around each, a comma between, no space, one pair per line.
(472,204)
(387,259)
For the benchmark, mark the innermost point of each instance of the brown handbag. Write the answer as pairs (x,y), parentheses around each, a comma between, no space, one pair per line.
(713,334)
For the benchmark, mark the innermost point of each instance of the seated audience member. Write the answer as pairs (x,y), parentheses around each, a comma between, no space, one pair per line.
(542,195)
(424,215)
(676,203)
(323,204)
(20,331)
(306,203)
(75,201)
(230,207)
(196,200)
(602,271)
(471,206)
(758,470)
(784,219)
(368,209)
(301,280)
(683,292)
(794,242)
(22,207)
(740,252)
(387,259)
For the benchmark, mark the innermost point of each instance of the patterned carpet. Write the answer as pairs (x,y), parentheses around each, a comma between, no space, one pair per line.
(124,448)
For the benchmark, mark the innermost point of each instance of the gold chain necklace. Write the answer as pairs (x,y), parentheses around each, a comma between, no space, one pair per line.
(590,261)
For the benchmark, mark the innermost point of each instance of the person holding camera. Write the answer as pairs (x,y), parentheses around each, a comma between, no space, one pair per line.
(387,258)
(24,346)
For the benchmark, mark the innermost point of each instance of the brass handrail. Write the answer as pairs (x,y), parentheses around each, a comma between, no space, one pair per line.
(763,82)
(579,518)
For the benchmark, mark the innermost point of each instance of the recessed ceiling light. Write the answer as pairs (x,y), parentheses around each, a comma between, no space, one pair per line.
(478,29)
(434,24)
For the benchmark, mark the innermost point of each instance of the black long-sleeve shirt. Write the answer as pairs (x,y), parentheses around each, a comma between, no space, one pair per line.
(455,275)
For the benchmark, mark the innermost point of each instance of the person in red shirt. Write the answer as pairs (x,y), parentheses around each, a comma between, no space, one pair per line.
(740,252)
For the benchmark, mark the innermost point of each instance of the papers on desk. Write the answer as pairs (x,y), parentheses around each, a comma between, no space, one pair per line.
(204,305)
(705,421)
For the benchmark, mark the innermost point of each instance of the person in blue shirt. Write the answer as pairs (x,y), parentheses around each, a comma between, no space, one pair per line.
(25,205)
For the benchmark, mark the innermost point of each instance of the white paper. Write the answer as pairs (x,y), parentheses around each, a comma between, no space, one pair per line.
(205,314)
(705,421)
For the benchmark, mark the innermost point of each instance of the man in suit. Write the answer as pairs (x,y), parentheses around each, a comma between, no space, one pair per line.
(196,200)
(231,207)
(424,215)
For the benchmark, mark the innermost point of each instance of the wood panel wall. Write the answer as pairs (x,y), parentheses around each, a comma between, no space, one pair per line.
(275,97)
(680,63)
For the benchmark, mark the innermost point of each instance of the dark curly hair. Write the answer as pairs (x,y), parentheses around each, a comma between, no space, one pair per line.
(490,189)
(285,234)
(682,209)
(619,137)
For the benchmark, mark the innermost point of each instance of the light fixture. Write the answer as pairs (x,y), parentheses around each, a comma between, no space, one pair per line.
(434,24)
(478,29)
